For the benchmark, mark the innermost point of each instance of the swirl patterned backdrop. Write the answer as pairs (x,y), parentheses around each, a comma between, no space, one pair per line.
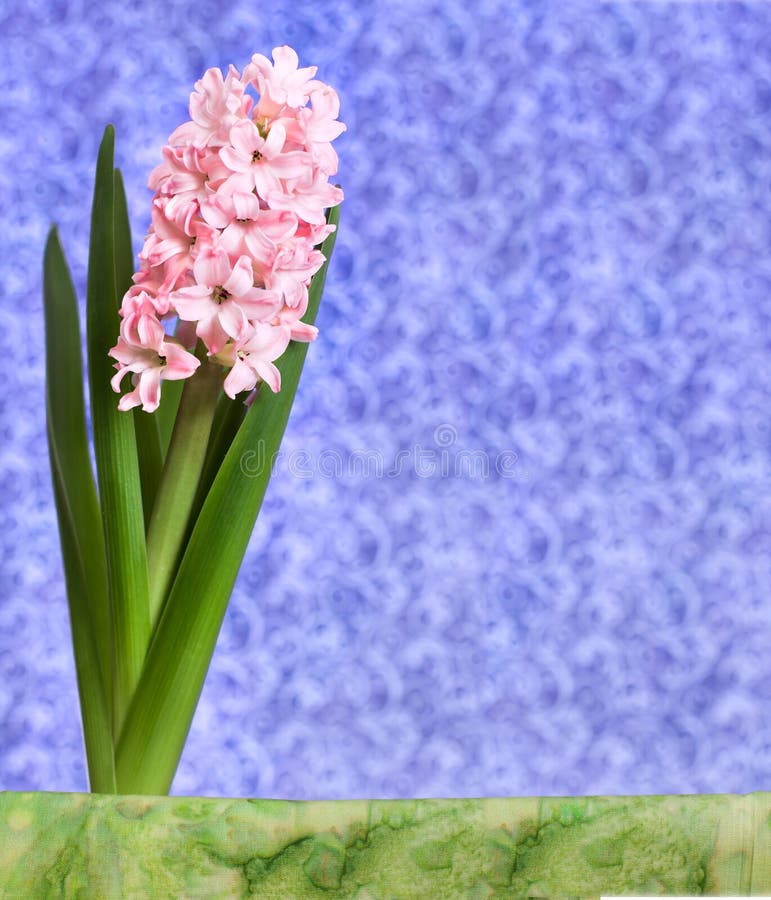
(519,538)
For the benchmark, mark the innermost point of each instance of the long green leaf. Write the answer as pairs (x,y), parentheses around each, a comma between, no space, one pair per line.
(78,512)
(94,707)
(115,450)
(124,253)
(67,426)
(148,437)
(167,695)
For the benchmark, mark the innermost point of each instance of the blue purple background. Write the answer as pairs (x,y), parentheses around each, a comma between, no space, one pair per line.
(554,252)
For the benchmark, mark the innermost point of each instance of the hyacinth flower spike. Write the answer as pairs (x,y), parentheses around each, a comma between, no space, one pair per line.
(222,303)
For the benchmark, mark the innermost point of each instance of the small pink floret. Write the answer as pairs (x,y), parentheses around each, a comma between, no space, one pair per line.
(149,366)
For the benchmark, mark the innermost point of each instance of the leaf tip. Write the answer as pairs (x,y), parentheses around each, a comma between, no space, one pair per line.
(107,146)
(52,240)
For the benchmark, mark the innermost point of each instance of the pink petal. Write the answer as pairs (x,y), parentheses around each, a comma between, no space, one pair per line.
(232,238)
(212,334)
(278,224)
(261,247)
(265,181)
(184,181)
(193,303)
(245,206)
(235,161)
(150,332)
(291,165)
(303,332)
(129,401)
(325,103)
(245,139)
(268,341)
(240,378)
(269,374)
(238,181)
(150,389)
(241,279)
(215,211)
(184,134)
(275,141)
(232,319)
(285,60)
(260,65)
(118,377)
(179,363)
(212,268)
(260,305)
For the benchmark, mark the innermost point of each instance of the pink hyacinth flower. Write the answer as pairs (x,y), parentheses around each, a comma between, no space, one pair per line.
(307,197)
(315,127)
(224,299)
(173,243)
(187,176)
(140,325)
(258,162)
(247,228)
(292,270)
(253,359)
(149,366)
(215,106)
(298,330)
(280,83)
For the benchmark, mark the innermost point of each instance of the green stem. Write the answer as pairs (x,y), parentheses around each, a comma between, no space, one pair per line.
(150,458)
(179,481)
(166,413)
(227,420)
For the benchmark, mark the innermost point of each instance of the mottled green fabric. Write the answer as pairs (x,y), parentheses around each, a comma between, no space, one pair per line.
(81,845)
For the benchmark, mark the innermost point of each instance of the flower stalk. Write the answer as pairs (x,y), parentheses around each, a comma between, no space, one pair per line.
(179,482)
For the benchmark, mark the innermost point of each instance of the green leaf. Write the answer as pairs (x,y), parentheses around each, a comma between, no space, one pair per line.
(94,706)
(78,513)
(148,437)
(115,449)
(166,698)
(124,253)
